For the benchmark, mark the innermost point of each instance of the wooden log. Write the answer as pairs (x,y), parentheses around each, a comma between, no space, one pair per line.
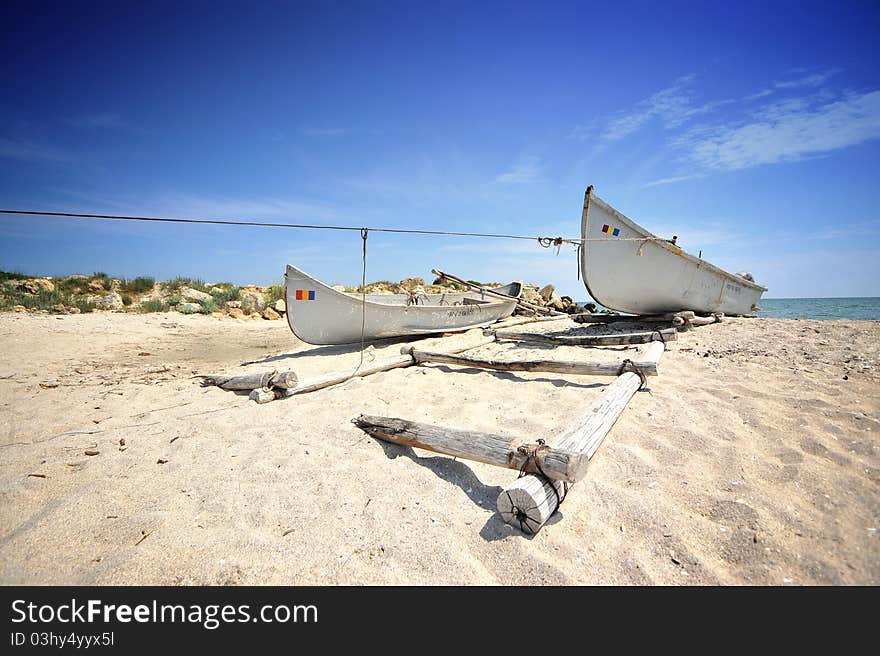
(705,321)
(266,380)
(513,453)
(647,366)
(664,335)
(531,500)
(491,292)
(519,321)
(265,396)
(328,380)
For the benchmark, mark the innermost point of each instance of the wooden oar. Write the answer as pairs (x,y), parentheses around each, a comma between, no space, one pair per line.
(491,292)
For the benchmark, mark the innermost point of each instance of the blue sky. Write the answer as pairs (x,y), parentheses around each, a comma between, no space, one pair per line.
(750,131)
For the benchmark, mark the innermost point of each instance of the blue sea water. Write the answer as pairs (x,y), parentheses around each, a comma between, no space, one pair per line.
(863,308)
(867,308)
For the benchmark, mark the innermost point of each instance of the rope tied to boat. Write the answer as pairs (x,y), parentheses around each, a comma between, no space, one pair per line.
(629,365)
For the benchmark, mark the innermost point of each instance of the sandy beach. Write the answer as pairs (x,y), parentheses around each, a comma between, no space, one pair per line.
(753,459)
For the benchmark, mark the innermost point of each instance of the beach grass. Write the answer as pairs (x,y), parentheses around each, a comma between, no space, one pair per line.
(139,285)
(273,294)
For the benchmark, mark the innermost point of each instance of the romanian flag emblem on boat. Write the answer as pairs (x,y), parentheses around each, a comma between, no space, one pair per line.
(607,229)
(305,294)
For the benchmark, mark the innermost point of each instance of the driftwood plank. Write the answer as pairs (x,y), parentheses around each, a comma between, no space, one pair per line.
(489,448)
(648,367)
(328,380)
(531,500)
(664,335)
(265,380)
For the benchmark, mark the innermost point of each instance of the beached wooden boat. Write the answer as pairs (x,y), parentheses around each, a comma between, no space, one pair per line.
(628,269)
(318,314)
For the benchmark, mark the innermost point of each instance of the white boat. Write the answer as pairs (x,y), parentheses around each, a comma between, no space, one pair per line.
(319,314)
(628,269)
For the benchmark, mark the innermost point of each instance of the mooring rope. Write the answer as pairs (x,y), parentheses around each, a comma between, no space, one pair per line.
(546,242)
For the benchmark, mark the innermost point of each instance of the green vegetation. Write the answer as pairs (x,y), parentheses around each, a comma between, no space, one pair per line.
(274,293)
(12,275)
(179,281)
(174,299)
(207,306)
(154,305)
(104,279)
(127,300)
(139,285)
(224,292)
(45,300)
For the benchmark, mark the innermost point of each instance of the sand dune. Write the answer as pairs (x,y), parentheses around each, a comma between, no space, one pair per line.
(751,460)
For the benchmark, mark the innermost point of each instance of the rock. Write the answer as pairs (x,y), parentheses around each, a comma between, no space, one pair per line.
(411,283)
(59,309)
(19,308)
(34,286)
(252,302)
(555,302)
(111,301)
(235,313)
(191,294)
(73,310)
(567,301)
(188,308)
(530,295)
(233,304)
(280,306)
(271,314)
(547,292)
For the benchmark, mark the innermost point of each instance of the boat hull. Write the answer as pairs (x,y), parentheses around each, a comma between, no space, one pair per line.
(319,314)
(628,269)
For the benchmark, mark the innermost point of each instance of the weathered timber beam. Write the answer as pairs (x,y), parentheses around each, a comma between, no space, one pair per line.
(648,367)
(266,380)
(531,500)
(513,453)
(386,364)
(664,335)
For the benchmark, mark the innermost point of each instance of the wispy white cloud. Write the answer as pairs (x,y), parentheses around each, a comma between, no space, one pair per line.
(523,171)
(672,180)
(814,80)
(673,106)
(787,131)
(31,151)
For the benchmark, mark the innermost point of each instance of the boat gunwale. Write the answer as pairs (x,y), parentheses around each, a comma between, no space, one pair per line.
(671,248)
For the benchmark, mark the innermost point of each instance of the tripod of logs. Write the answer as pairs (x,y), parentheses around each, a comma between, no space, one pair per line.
(546,470)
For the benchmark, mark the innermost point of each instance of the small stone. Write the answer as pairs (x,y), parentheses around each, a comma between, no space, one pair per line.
(91,452)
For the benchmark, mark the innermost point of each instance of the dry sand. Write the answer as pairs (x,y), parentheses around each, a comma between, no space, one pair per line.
(750,461)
